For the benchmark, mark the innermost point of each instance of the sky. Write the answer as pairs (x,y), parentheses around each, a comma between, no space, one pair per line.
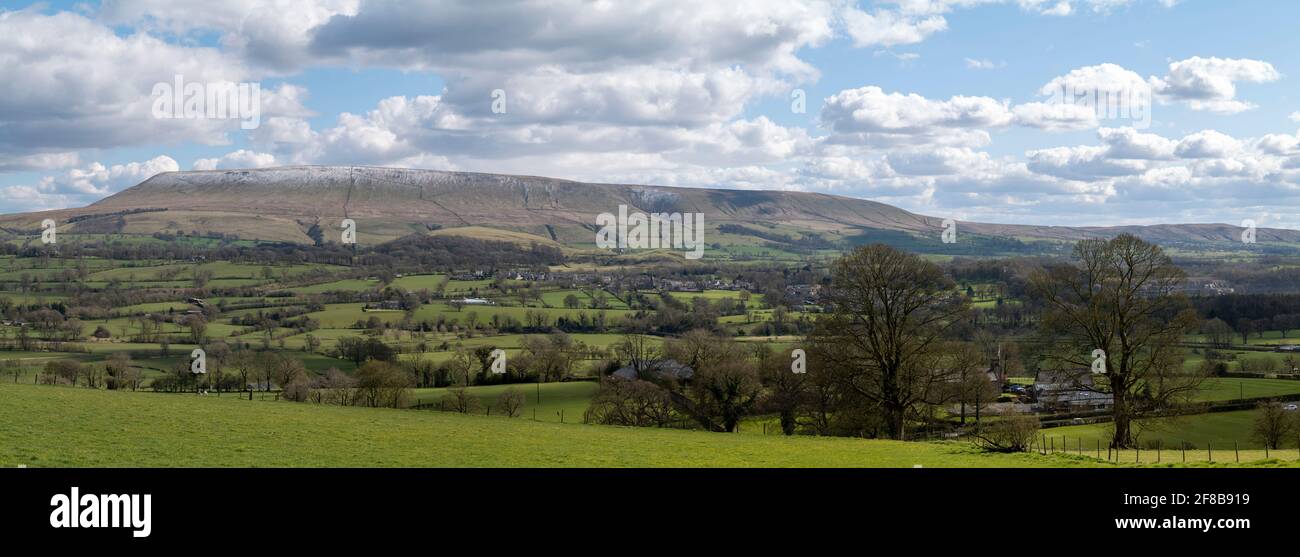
(950,108)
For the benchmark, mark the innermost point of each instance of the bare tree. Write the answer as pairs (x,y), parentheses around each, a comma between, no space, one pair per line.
(380,383)
(510,402)
(891,310)
(117,366)
(1120,298)
(787,391)
(631,402)
(968,368)
(1011,432)
(1217,333)
(198,327)
(244,363)
(459,399)
(637,350)
(1273,424)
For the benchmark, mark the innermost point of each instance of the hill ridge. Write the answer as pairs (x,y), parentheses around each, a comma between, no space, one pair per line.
(281,203)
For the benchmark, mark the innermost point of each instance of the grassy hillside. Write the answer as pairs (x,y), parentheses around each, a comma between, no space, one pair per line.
(55,426)
(388,203)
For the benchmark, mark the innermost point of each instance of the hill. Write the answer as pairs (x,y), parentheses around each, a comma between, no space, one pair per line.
(283,204)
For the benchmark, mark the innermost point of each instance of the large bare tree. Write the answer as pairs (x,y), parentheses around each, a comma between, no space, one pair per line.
(891,311)
(1120,296)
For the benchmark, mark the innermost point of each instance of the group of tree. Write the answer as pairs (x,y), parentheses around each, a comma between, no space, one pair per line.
(896,351)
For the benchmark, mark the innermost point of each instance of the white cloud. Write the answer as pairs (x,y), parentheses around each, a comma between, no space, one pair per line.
(238,159)
(1081,163)
(1210,84)
(69,83)
(80,186)
(869,115)
(1279,144)
(1056,117)
(273,34)
(984,64)
(1128,143)
(1208,144)
(887,28)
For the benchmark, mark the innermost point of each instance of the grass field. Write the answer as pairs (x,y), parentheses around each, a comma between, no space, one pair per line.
(572,398)
(1219,430)
(121,429)
(55,426)
(1221,389)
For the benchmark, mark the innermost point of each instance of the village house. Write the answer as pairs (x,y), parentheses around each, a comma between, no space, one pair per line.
(1069,391)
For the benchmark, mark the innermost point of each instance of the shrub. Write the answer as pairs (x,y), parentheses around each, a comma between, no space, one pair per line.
(1009,432)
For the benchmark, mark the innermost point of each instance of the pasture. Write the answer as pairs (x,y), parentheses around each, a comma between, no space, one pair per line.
(54,426)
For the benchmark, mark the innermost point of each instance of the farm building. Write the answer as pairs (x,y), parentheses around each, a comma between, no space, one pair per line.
(1069,391)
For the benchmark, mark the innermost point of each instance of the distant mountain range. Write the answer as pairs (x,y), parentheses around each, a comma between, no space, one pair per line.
(284,204)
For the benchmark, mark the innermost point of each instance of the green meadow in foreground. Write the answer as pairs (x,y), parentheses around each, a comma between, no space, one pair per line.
(55,426)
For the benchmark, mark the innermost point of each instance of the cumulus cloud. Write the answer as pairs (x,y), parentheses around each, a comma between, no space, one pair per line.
(1210,84)
(1128,143)
(869,115)
(80,186)
(887,28)
(58,95)
(1056,117)
(658,92)
(1196,175)
(1208,144)
(238,159)
(1081,163)
(275,35)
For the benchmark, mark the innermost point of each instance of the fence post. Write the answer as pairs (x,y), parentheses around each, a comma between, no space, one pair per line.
(1138,452)
(1160,443)
(1099,449)
(1184,451)
(1236,450)
(1209,450)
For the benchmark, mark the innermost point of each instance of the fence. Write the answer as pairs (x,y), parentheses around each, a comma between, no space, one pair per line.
(1209,452)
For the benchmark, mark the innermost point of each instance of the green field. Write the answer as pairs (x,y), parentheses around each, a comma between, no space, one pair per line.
(572,398)
(1218,430)
(1224,389)
(53,426)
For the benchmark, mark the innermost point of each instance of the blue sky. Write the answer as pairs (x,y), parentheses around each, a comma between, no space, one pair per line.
(936,106)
